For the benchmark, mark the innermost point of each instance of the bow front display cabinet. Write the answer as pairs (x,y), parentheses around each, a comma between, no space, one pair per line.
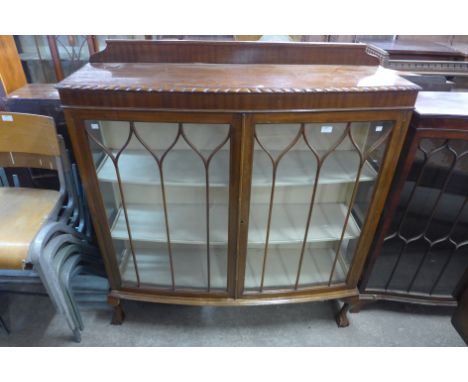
(222,173)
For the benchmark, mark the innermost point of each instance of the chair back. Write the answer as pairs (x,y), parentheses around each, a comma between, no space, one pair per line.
(28,140)
(31,141)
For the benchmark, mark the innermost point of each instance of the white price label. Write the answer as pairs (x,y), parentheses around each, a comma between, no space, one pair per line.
(326,129)
(378,128)
(95,126)
(7,118)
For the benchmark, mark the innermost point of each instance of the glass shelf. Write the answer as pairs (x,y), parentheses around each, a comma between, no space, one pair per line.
(181,168)
(187,224)
(289,227)
(282,265)
(190,267)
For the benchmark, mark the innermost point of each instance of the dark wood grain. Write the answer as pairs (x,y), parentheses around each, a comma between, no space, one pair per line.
(235,87)
(35,91)
(418,50)
(460,317)
(234,102)
(234,78)
(222,52)
(255,85)
(55,58)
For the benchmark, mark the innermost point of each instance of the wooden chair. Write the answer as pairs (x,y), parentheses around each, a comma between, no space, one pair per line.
(40,229)
(26,141)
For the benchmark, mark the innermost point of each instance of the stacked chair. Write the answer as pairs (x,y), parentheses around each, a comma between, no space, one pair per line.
(44,234)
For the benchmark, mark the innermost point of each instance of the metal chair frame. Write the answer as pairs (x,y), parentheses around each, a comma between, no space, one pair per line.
(60,245)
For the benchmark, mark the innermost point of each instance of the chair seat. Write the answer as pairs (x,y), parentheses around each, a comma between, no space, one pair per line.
(22,213)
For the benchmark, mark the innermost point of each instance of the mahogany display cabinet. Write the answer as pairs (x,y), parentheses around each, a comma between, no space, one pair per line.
(235,173)
(420,252)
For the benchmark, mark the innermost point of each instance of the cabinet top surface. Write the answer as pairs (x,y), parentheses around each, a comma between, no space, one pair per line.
(415,47)
(35,91)
(234,78)
(432,104)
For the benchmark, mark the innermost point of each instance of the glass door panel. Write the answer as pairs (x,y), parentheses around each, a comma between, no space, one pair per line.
(311,187)
(426,248)
(166,191)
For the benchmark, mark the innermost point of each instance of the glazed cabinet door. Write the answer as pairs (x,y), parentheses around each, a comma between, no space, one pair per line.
(165,188)
(423,251)
(312,184)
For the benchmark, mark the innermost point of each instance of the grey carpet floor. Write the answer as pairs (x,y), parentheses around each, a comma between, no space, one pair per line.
(33,322)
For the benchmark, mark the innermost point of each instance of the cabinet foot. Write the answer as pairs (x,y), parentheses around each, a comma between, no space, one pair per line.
(119,315)
(357,306)
(341,317)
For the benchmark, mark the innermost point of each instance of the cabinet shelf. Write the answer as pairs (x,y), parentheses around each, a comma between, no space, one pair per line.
(183,168)
(282,265)
(190,267)
(326,223)
(187,223)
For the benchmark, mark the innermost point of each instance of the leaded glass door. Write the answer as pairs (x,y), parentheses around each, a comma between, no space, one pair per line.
(165,188)
(311,187)
(424,249)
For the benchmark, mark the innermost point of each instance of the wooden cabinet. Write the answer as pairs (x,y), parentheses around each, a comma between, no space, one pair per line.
(420,251)
(423,57)
(235,173)
(460,317)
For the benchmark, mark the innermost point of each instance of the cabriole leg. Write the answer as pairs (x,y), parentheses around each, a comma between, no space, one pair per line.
(351,304)
(341,317)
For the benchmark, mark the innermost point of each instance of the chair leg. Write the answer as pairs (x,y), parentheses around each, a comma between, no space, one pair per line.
(56,243)
(69,263)
(45,268)
(67,272)
(77,335)
(48,266)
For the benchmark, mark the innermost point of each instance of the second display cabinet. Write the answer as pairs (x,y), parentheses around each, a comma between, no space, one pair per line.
(235,173)
(420,250)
